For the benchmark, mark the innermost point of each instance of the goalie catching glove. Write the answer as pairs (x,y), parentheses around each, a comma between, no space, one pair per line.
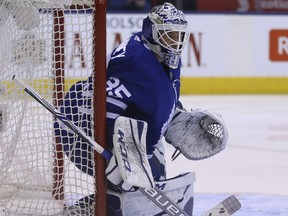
(196,134)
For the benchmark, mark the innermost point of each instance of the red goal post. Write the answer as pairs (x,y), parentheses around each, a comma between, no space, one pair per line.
(36,44)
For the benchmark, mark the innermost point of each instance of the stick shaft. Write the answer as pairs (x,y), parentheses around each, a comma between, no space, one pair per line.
(106,154)
(163,202)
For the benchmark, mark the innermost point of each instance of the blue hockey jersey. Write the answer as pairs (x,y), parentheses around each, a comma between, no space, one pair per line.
(138,86)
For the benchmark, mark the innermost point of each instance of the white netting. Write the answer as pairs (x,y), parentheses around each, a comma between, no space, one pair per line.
(29,50)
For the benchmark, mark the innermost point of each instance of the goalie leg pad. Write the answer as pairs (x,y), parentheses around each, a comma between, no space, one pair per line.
(129,140)
(180,189)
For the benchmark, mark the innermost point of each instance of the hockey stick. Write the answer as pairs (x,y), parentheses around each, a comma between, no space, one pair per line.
(106,154)
(225,208)
(154,194)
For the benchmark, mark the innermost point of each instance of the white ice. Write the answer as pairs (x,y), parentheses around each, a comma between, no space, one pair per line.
(254,165)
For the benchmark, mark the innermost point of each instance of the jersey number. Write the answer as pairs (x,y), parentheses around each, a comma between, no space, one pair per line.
(114,88)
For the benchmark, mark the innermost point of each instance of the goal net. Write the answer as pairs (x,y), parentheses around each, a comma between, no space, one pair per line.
(48,44)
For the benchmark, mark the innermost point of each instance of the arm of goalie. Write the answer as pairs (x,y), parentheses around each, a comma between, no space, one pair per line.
(129,141)
(197,134)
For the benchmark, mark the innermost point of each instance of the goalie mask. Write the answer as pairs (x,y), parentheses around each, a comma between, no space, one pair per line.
(196,134)
(164,30)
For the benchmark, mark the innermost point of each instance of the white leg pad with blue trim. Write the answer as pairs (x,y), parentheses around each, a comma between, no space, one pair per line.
(180,189)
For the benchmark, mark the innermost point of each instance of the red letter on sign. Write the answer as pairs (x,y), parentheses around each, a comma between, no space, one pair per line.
(77,51)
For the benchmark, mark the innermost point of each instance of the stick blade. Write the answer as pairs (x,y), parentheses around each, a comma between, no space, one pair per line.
(225,208)
(232,204)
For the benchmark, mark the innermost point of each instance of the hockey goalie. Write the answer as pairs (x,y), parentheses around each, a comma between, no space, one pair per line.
(143,108)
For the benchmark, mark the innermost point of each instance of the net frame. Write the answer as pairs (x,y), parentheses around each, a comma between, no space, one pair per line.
(99,102)
(58,95)
(99,50)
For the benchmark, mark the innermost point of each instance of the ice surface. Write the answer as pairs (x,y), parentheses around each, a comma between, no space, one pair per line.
(254,165)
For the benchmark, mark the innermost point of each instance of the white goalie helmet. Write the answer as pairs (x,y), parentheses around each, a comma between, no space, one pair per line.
(196,134)
(165,31)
